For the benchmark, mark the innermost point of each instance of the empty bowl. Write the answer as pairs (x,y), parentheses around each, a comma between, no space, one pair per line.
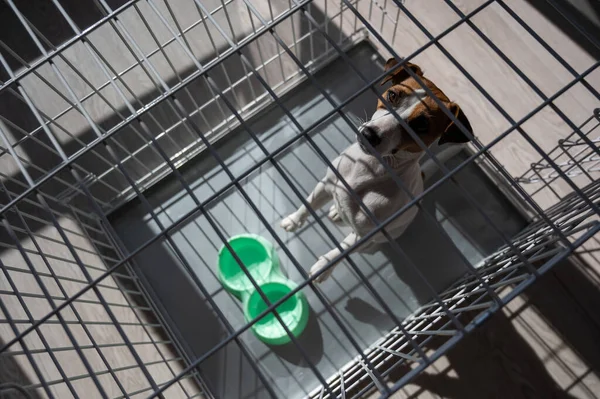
(257,255)
(293,312)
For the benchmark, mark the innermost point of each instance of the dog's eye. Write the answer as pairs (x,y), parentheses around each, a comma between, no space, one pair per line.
(420,124)
(392,97)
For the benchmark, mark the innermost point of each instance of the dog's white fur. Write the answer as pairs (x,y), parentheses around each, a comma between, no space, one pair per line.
(373,184)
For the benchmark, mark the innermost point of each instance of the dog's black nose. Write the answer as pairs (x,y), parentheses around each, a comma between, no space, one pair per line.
(371,136)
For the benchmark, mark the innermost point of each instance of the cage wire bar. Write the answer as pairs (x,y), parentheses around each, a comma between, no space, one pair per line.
(159,84)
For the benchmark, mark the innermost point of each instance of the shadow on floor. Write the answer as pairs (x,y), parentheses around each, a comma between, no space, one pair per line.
(367,313)
(311,341)
(584,13)
(12,374)
(508,366)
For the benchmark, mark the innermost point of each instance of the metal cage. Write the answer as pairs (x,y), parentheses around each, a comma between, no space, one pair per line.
(102,101)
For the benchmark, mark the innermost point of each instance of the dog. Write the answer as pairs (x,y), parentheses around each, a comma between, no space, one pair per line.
(366,175)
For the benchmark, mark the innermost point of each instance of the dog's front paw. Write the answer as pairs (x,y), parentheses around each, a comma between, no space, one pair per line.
(334,215)
(292,222)
(318,266)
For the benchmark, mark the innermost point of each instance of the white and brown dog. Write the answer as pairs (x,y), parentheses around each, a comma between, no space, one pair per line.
(365,174)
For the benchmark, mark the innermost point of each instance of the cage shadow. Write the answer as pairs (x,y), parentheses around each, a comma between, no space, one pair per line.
(507,364)
(12,371)
(507,367)
(364,312)
(48,20)
(311,340)
(571,309)
(588,21)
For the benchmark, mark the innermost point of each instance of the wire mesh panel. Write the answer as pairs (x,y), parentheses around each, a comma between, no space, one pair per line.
(107,340)
(100,105)
(132,56)
(573,156)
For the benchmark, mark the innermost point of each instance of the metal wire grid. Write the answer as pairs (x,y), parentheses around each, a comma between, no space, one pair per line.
(516,260)
(158,63)
(468,299)
(573,156)
(38,280)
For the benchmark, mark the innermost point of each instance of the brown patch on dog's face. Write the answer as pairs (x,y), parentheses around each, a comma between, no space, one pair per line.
(417,109)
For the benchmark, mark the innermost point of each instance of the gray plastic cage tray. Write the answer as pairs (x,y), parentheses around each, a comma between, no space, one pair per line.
(228,373)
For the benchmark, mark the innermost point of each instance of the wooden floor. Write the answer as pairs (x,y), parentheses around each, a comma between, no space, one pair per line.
(545,343)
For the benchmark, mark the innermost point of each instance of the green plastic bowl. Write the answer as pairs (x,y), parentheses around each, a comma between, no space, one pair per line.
(293,312)
(256,253)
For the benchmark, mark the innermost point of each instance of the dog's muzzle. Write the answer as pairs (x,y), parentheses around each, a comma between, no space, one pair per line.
(368,135)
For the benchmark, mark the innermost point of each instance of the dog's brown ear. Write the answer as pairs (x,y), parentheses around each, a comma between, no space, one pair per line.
(453,134)
(399,74)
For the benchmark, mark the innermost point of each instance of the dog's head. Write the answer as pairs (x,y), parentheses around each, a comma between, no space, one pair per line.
(427,119)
